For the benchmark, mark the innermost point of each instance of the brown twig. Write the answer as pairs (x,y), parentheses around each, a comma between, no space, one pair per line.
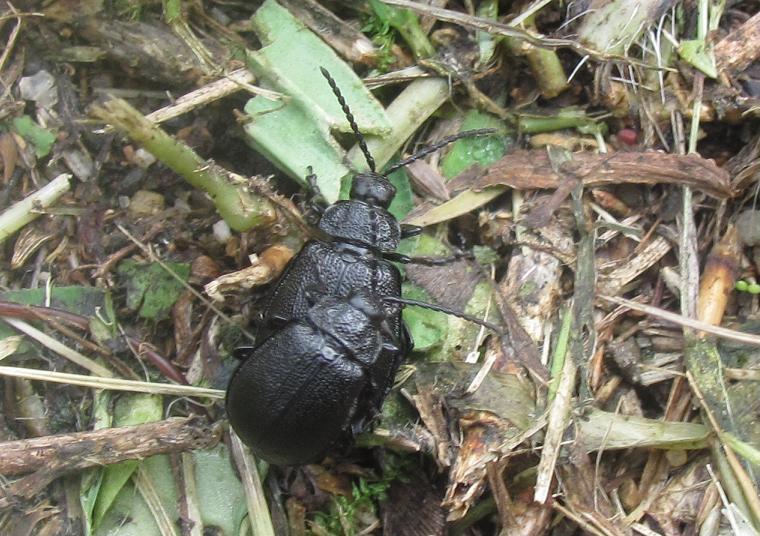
(530,170)
(740,48)
(50,457)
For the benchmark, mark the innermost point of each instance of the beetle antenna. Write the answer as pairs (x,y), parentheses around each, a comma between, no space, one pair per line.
(496,329)
(350,117)
(439,145)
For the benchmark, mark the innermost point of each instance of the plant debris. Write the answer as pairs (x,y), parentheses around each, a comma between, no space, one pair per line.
(154,186)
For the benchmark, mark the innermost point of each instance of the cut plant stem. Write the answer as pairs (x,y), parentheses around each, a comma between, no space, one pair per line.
(239,208)
(24,211)
(718,278)
(544,64)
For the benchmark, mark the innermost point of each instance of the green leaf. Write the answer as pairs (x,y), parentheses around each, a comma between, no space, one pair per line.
(484,150)
(128,411)
(487,9)
(504,395)
(129,514)
(441,335)
(426,327)
(403,203)
(700,54)
(296,133)
(151,290)
(465,202)
(223,503)
(89,487)
(220,496)
(41,138)
(611,431)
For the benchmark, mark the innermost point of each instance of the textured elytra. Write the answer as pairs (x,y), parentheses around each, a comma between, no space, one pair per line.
(299,390)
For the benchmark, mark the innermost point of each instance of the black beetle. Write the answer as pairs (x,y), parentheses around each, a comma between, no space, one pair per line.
(302,387)
(332,338)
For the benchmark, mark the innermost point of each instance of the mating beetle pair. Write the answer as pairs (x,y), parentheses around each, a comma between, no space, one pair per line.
(332,337)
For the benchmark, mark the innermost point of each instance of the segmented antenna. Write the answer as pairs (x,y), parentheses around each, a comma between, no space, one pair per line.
(496,329)
(422,153)
(350,117)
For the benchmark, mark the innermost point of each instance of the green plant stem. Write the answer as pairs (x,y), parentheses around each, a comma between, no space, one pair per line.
(544,64)
(407,24)
(728,479)
(568,118)
(560,352)
(240,209)
(548,70)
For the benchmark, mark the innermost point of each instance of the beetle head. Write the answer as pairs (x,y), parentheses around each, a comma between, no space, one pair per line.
(372,188)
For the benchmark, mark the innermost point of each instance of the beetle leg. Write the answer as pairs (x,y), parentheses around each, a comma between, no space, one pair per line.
(408,231)
(406,340)
(425,261)
(317,201)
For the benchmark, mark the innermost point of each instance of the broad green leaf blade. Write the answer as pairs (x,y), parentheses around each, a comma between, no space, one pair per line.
(129,514)
(443,336)
(85,301)
(426,327)
(295,134)
(403,202)
(291,59)
(288,138)
(223,503)
(89,487)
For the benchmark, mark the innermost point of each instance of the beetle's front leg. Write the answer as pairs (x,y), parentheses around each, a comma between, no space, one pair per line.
(316,201)
(409,231)
(426,261)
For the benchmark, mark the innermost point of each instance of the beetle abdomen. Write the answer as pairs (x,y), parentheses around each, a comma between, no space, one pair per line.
(295,395)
